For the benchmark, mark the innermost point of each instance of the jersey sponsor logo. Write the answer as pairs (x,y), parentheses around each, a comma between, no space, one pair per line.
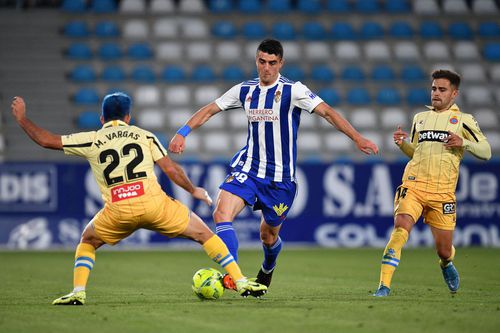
(430,135)
(453,120)
(268,115)
(280,209)
(449,208)
(127,191)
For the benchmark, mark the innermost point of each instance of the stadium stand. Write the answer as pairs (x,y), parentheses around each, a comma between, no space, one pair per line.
(173,56)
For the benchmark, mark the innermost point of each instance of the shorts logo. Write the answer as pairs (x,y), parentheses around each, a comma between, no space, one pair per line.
(127,191)
(449,208)
(453,120)
(229,179)
(280,209)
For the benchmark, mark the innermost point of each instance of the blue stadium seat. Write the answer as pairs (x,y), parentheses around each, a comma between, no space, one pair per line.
(283,31)
(491,51)
(310,7)
(401,29)
(249,6)
(220,6)
(110,51)
(460,30)
(313,31)
(322,73)
(74,6)
(431,29)
(358,96)
(342,31)
(103,6)
(338,6)
(397,6)
(113,73)
(388,96)
(86,96)
(79,51)
(173,74)
(353,73)
(224,29)
(203,73)
(383,73)
(143,73)
(489,29)
(83,73)
(89,120)
(371,30)
(293,72)
(330,95)
(140,51)
(279,6)
(76,29)
(233,73)
(418,96)
(367,6)
(106,29)
(254,30)
(412,73)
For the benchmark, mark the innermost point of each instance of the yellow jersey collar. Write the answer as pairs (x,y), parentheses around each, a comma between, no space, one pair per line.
(454,108)
(114,123)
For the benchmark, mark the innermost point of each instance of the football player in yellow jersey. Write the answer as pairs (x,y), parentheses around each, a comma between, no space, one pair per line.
(122,159)
(437,142)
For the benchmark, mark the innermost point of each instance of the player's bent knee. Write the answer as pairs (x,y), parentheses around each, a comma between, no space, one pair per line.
(221,216)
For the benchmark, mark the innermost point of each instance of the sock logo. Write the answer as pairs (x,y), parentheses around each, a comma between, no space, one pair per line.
(449,208)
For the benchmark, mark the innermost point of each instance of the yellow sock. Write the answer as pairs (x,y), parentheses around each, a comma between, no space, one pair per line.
(218,252)
(392,255)
(445,263)
(84,262)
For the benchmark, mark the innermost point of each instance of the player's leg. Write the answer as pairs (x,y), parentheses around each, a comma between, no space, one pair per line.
(446,253)
(84,262)
(272,245)
(215,248)
(227,208)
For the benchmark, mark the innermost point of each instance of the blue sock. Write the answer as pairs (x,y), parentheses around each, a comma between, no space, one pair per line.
(270,255)
(226,232)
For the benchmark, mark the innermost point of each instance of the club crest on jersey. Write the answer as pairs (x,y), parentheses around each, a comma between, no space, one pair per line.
(449,208)
(127,191)
(430,135)
(277,96)
(280,209)
(453,120)
(249,98)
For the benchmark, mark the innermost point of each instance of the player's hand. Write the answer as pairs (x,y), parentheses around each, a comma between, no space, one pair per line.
(18,108)
(177,144)
(453,141)
(201,194)
(399,136)
(367,146)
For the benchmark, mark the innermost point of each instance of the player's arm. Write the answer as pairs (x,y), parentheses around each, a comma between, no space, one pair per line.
(178,142)
(334,118)
(176,174)
(39,135)
(399,136)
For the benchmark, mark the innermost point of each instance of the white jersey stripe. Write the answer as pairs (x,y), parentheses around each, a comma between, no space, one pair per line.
(262,150)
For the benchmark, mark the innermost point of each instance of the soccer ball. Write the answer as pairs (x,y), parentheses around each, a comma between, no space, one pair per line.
(207,284)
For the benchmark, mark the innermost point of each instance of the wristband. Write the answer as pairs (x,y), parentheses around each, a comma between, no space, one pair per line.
(184,130)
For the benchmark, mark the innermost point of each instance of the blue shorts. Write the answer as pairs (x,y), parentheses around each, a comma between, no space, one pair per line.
(275,199)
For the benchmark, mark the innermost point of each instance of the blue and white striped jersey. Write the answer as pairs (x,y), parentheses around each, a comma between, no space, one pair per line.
(273,114)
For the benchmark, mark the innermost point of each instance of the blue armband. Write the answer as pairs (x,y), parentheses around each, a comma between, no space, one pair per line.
(184,130)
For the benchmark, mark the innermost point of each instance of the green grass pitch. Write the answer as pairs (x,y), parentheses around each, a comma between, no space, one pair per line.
(313,290)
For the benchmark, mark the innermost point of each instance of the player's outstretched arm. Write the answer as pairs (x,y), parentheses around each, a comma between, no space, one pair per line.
(41,136)
(178,142)
(334,118)
(176,174)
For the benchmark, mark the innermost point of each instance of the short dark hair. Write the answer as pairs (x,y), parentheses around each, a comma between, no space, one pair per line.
(451,76)
(271,46)
(116,106)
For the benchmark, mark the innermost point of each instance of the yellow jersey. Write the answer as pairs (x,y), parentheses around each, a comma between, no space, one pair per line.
(433,168)
(122,160)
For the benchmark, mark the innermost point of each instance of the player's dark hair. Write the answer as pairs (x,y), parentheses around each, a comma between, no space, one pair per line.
(271,46)
(451,76)
(116,106)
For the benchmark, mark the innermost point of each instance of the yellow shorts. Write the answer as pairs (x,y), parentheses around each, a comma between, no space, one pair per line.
(438,209)
(159,213)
